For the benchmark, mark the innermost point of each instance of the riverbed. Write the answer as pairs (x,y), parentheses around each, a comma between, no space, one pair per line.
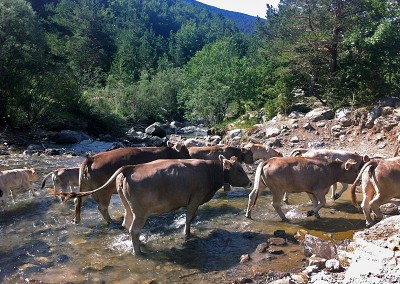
(40,243)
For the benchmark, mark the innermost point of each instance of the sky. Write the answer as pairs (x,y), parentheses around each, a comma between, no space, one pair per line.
(249,7)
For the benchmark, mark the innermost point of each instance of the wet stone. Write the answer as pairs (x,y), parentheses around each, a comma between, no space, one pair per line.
(277,241)
(244,258)
(275,251)
(262,247)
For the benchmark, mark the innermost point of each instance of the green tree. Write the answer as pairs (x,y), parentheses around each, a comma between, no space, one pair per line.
(22,53)
(215,79)
(84,40)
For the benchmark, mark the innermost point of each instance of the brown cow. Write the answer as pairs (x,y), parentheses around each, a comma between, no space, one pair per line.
(162,186)
(299,174)
(212,153)
(333,155)
(63,178)
(261,151)
(96,170)
(11,180)
(380,183)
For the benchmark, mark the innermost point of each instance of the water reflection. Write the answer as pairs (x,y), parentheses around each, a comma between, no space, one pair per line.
(43,245)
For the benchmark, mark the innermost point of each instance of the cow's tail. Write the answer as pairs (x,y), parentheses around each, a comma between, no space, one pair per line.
(45,179)
(70,195)
(297,152)
(353,186)
(256,190)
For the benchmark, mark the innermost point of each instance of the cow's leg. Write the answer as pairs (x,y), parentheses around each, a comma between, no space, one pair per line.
(368,194)
(337,195)
(103,202)
(32,190)
(190,215)
(13,195)
(78,206)
(135,230)
(286,198)
(128,215)
(276,203)
(319,201)
(375,203)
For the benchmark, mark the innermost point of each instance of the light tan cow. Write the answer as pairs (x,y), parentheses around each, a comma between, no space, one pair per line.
(333,155)
(380,183)
(63,179)
(299,174)
(97,169)
(162,186)
(261,151)
(212,153)
(11,180)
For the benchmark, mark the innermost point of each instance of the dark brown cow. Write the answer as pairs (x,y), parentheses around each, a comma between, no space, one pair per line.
(97,169)
(212,153)
(162,186)
(298,174)
(380,183)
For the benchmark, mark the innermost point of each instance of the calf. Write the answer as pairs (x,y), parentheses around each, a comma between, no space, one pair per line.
(298,174)
(380,183)
(11,180)
(97,169)
(212,152)
(333,155)
(162,186)
(63,179)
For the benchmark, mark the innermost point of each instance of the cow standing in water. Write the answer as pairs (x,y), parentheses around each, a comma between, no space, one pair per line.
(332,154)
(380,183)
(97,169)
(297,174)
(162,186)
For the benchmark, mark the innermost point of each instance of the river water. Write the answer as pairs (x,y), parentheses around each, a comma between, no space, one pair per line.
(39,243)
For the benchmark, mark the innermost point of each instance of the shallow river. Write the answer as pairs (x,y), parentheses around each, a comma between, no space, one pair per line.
(39,243)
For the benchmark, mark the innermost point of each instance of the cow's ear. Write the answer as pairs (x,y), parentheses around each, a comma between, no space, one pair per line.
(226,164)
(366,158)
(178,147)
(233,159)
(170,144)
(349,163)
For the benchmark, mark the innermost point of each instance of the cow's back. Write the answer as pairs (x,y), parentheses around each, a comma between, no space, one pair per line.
(299,174)
(387,176)
(96,170)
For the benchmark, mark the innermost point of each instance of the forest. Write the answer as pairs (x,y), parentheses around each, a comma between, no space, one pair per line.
(119,62)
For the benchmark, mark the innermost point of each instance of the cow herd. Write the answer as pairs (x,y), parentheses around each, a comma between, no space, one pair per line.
(157,180)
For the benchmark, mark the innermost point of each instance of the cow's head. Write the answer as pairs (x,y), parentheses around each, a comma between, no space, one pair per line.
(351,173)
(33,175)
(234,173)
(246,155)
(183,152)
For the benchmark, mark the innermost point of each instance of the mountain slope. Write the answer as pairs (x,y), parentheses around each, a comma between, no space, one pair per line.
(245,23)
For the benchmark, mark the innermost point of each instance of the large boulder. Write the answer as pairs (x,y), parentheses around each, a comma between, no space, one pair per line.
(70,137)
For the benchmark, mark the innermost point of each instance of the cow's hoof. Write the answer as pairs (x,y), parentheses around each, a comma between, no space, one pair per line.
(336,196)
(248,216)
(310,213)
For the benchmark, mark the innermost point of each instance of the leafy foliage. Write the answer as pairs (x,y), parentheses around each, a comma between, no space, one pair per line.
(113,61)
